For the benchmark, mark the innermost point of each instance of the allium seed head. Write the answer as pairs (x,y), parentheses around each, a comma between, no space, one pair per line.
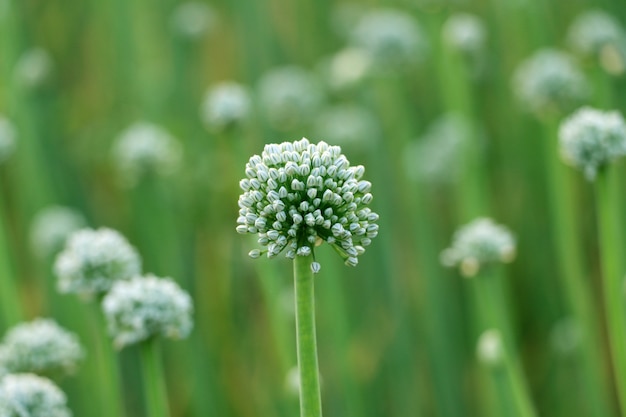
(143,149)
(435,157)
(51,227)
(489,348)
(193,19)
(393,39)
(8,137)
(594,30)
(589,139)
(33,68)
(478,243)
(317,196)
(28,395)
(41,347)
(93,260)
(465,33)
(145,307)
(289,97)
(549,81)
(226,104)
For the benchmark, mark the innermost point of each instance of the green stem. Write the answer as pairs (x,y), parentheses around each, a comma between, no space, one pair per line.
(111,400)
(154,379)
(310,398)
(568,246)
(9,294)
(611,251)
(494,315)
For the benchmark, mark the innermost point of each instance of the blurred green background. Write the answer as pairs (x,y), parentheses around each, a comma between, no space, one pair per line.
(396,334)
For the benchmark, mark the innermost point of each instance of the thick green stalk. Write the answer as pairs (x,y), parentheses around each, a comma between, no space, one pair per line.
(611,251)
(9,295)
(111,399)
(154,379)
(310,397)
(494,315)
(572,272)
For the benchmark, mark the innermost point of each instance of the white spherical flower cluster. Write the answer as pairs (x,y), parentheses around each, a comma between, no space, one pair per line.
(33,68)
(465,33)
(490,349)
(289,97)
(297,195)
(51,227)
(41,347)
(93,260)
(479,243)
(28,395)
(593,30)
(143,149)
(393,39)
(589,139)
(145,307)
(435,157)
(348,125)
(8,138)
(226,104)
(193,19)
(549,81)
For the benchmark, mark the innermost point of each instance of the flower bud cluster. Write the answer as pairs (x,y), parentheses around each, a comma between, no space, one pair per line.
(29,395)
(593,30)
(41,347)
(297,195)
(145,307)
(549,81)
(225,104)
(589,139)
(51,227)
(393,39)
(93,259)
(478,243)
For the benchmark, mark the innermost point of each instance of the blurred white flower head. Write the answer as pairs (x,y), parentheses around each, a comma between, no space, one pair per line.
(393,39)
(193,19)
(589,139)
(549,81)
(435,157)
(145,307)
(145,149)
(40,347)
(465,33)
(479,243)
(596,33)
(489,348)
(225,105)
(347,68)
(33,68)
(8,139)
(566,336)
(51,227)
(93,260)
(289,97)
(348,125)
(29,395)
(297,195)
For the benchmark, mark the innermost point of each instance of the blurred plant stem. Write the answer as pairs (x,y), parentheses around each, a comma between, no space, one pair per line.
(611,243)
(566,239)
(9,294)
(110,400)
(310,397)
(490,300)
(155,390)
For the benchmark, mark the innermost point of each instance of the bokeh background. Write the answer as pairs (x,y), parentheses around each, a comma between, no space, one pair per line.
(396,334)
